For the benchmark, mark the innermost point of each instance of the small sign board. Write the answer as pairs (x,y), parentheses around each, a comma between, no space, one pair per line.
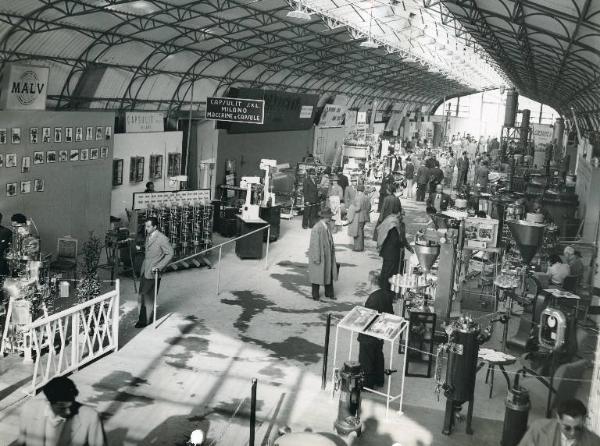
(23,87)
(144,122)
(143,200)
(247,111)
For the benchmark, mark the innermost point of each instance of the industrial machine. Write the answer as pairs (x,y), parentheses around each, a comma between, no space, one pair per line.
(516,414)
(249,211)
(268,166)
(553,329)
(461,352)
(349,381)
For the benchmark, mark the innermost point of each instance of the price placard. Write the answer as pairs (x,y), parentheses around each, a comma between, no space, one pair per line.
(143,200)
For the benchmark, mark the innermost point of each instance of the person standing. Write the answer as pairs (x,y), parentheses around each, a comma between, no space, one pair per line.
(358,216)
(436,176)
(310,191)
(157,256)
(342,180)
(325,184)
(463,170)
(449,174)
(481,175)
(149,187)
(390,234)
(336,198)
(370,353)
(567,428)
(422,179)
(57,419)
(322,265)
(409,174)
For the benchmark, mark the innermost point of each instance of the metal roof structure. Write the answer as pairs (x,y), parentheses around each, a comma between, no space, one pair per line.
(147,54)
(168,54)
(549,49)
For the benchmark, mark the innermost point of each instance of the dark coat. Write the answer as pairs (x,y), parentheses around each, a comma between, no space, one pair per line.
(310,190)
(547,433)
(343,181)
(423,174)
(409,172)
(322,266)
(5,240)
(444,203)
(463,166)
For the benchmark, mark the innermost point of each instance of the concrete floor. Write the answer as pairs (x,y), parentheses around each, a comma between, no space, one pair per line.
(195,370)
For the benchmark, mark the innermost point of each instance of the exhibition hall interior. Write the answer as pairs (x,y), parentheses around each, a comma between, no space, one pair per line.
(299,222)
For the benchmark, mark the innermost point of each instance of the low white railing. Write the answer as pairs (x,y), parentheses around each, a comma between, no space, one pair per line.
(68,340)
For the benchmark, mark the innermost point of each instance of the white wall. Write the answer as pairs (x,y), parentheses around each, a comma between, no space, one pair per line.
(327,141)
(141,144)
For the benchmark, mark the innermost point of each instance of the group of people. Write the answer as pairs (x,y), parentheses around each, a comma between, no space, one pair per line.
(559,269)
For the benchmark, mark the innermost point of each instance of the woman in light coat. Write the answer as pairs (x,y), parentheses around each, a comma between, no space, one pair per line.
(358,216)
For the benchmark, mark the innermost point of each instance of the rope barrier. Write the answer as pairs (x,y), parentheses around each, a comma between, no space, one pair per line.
(224,430)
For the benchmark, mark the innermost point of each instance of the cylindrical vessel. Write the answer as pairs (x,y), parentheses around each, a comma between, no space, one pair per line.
(349,404)
(558,135)
(510,112)
(462,366)
(515,416)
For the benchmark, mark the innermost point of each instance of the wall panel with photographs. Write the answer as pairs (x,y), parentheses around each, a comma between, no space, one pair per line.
(51,171)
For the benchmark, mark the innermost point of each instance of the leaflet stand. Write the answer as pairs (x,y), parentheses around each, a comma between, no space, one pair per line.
(384,326)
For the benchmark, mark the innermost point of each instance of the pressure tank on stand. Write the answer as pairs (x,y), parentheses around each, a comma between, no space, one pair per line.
(510,111)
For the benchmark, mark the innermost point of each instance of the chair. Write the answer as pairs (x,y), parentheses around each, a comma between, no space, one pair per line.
(66,256)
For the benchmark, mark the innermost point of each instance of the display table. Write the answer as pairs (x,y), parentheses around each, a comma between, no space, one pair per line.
(271,215)
(250,247)
(494,358)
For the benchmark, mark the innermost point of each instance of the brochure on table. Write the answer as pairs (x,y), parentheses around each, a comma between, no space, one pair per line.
(384,326)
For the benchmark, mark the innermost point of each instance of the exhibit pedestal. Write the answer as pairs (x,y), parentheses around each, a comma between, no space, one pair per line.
(250,247)
(272,215)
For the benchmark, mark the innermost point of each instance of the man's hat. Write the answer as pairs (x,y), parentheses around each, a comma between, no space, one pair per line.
(325,213)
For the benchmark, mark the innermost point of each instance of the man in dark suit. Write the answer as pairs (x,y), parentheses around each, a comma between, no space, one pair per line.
(342,179)
(157,256)
(310,191)
(439,200)
(422,180)
(463,169)
(5,240)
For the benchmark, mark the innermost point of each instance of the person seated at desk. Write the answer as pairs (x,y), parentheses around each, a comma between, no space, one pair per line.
(439,200)
(149,187)
(558,271)
(538,208)
(566,429)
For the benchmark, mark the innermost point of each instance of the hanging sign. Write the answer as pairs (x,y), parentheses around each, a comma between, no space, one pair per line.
(361,117)
(332,116)
(247,111)
(142,200)
(24,87)
(542,133)
(144,122)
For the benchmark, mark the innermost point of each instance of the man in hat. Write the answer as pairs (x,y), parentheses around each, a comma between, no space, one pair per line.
(322,266)
(310,191)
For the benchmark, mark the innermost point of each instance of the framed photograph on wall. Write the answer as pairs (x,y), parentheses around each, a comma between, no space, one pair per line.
(68,134)
(46,134)
(38,185)
(57,134)
(25,164)
(11,160)
(94,153)
(84,154)
(99,133)
(107,132)
(156,166)
(38,158)
(136,169)
(15,135)
(117,172)
(3,136)
(74,155)
(11,189)
(174,164)
(63,156)
(25,187)
(103,152)
(1,160)
(34,135)
(89,133)
(79,134)
(51,156)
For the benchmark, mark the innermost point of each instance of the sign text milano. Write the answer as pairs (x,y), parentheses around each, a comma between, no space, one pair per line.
(249,111)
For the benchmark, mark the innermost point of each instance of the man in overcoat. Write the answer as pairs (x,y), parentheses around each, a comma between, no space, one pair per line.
(310,191)
(322,266)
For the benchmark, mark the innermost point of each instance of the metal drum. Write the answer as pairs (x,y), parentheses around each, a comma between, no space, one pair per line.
(485,203)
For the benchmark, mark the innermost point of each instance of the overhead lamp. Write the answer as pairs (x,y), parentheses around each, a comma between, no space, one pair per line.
(299,14)
(369,43)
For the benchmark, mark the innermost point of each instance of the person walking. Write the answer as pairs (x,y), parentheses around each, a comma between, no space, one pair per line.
(310,191)
(390,234)
(157,256)
(409,174)
(423,174)
(463,170)
(358,216)
(57,419)
(322,265)
(436,176)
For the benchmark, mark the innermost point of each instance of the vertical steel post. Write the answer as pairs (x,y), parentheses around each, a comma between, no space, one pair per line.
(253,413)
(155,297)
(326,352)
(268,243)
(116,314)
(219,272)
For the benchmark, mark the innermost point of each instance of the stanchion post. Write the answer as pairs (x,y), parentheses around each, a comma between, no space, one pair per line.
(155,297)
(253,413)
(268,242)
(326,352)
(219,272)
(115,320)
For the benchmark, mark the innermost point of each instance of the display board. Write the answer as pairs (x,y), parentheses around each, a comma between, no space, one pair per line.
(143,200)
(379,325)
(332,116)
(249,111)
(144,122)
(55,167)
(23,87)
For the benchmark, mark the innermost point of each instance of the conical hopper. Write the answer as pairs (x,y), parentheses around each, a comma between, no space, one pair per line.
(528,237)
(427,255)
